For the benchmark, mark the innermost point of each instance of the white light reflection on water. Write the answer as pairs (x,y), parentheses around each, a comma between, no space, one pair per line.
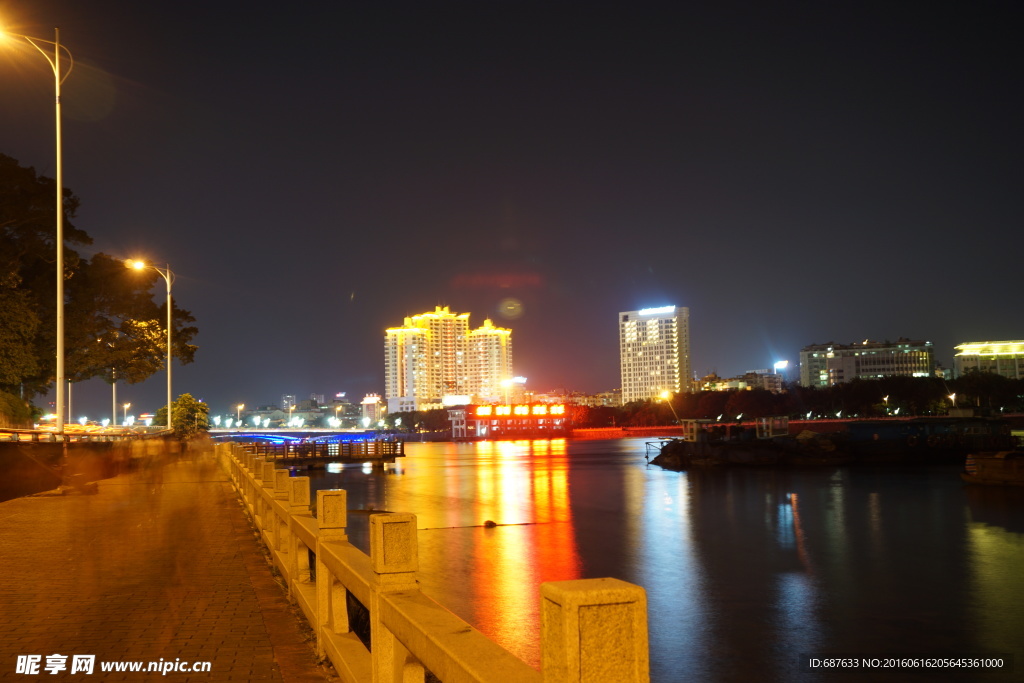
(665,564)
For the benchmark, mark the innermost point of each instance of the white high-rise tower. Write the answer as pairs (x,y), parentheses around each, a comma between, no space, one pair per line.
(654,352)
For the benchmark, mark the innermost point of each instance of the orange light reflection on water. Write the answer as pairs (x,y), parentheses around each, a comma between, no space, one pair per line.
(523,487)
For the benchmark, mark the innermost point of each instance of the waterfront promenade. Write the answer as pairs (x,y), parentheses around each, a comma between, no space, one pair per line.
(160,564)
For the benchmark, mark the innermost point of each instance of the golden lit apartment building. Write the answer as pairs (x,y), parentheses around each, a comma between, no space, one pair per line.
(434,359)
(654,352)
(1004,358)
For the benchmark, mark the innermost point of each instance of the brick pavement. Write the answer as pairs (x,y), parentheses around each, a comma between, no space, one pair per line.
(161,563)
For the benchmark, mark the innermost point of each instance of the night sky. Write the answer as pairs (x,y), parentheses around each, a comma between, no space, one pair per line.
(794,173)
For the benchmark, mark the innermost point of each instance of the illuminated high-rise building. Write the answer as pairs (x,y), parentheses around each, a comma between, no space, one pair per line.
(1004,358)
(654,352)
(490,362)
(434,358)
(825,365)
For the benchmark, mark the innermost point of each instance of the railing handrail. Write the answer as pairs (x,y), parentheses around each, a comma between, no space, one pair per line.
(410,632)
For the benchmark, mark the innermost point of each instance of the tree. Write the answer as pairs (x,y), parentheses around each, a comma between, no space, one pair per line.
(984,389)
(191,417)
(113,328)
(18,325)
(752,403)
(116,330)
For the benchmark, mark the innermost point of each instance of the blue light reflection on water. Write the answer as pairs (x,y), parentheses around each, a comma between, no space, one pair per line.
(744,569)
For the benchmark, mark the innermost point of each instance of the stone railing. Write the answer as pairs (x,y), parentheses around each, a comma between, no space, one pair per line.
(591,629)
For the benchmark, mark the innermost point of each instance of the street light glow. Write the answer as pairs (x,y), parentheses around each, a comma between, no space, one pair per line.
(168,277)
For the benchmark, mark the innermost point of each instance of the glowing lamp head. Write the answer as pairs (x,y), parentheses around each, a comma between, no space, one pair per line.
(134,264)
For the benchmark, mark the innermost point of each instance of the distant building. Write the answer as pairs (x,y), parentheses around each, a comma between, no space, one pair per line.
(823,365)
(508,421)
(654,352)
(435,360)
(752,379)
(287,401)
(605,398)
(373,410)
(1004,358)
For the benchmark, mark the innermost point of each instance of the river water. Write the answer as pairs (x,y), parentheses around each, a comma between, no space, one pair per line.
(748,572)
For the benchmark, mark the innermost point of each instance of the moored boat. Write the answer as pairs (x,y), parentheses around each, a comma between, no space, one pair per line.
(999,468)
(766,443)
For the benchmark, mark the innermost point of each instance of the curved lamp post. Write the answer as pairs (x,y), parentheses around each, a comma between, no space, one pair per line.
(168,277)
(54,62)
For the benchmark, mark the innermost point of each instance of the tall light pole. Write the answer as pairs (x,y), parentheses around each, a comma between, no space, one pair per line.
(126,407)
(666,396)
(168,277)
(238,415)
(54,62)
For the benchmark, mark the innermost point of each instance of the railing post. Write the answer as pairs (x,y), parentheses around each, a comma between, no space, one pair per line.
(264,480)
(267,474)
(298,495)
(394,557)
(594,630)
(331,596)
(281,478)
(297,560)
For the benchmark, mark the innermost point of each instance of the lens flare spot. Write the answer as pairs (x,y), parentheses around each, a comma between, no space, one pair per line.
(510,308)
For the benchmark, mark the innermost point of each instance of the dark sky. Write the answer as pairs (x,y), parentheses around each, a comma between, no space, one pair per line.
(794,173)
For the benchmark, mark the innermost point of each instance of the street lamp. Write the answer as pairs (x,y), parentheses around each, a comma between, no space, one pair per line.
(126,407)
(54,62)
(238,414)
(666,396)
(168,277)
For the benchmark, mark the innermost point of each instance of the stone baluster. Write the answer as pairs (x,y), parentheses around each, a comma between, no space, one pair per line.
(332,609)
(394,558)
(594,630)
(298,558)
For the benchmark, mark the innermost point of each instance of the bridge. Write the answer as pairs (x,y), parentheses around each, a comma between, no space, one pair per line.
(288,434)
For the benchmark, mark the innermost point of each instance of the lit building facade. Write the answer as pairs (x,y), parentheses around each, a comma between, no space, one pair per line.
(752,379)
(654,352)
(1004,358)
(372,409)
(490,362)
(510,421)
(434,357)
(823,365)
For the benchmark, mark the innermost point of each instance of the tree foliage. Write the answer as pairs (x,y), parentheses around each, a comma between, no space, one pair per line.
(893,396)
(113,328)
(18,326)
(191,417)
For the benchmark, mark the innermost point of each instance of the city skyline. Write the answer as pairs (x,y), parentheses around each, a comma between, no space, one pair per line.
(792,175)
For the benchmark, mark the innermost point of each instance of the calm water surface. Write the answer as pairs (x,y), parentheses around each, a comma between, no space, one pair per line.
(745,569)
